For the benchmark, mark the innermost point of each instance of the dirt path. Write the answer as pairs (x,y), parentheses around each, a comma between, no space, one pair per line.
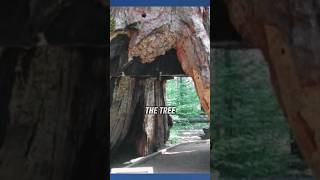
(190,157)
(186,135)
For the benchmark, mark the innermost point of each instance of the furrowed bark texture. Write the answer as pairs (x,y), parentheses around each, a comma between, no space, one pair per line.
(128,122)
(53,115)
(154,34)
(53,92)
(153,31)
(130,127)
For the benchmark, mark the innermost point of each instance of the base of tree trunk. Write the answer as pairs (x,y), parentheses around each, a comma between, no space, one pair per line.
(143,133)
(53,120)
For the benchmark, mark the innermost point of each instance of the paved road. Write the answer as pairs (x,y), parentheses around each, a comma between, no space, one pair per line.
(191,157)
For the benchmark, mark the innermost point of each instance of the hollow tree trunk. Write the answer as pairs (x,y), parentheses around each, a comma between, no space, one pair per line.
(158,30)
(288,34)
(153,32)
(53,91)
(145,132)
(53,119)
(130,127)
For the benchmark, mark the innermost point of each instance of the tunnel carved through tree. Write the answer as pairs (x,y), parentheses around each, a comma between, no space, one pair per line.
(157,35)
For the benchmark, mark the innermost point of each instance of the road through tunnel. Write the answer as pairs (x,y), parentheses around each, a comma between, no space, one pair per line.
(142,59)
(135,85)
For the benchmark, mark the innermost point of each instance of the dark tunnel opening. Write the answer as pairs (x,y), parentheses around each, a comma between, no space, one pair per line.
(119,65)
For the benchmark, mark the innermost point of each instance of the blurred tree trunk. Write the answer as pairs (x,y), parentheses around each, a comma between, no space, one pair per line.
(288,34)
(53,118)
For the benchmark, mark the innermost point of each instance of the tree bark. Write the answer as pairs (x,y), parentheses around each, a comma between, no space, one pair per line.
(162,29)
(154,32)
(288,34)
(53,124)
(129,125)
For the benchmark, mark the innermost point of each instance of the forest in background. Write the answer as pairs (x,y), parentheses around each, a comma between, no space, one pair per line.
(181,93)
(249,134)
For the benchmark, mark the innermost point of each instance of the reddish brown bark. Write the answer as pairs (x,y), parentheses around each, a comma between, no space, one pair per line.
(184,29)
(154,32)
(288,34)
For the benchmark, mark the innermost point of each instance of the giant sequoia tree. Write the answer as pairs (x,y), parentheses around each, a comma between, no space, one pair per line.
(152,34)
(53,91)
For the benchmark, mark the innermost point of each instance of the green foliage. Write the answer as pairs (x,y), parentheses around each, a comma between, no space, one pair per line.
(243,156)
(250,135)
(180,92)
